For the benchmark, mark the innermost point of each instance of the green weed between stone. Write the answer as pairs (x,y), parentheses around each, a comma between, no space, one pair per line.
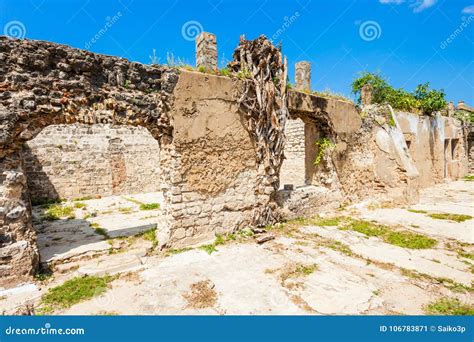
(449,306)
(403,239)
(149,206)
(72,292)
(469,178)
(150,235)
(417,211)
(451,217)
(58,211)
(79,205)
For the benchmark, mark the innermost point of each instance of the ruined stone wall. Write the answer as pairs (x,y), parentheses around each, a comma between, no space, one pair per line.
(43,84)
(436,145)
(293,168)
(74,161)
(215,174)
(470,148)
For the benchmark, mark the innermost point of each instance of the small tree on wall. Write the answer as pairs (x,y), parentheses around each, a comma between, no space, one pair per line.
(423,100)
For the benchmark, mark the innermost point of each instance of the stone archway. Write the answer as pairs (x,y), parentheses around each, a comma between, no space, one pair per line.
(45,84)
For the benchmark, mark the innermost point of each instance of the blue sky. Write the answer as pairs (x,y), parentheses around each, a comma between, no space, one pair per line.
(406,40)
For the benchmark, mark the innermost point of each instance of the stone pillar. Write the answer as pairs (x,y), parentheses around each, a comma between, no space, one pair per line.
(366,95)
(303,75)
(18,251)
(451,108)
(206,51)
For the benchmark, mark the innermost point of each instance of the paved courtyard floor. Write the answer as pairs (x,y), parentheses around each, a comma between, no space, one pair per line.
(368,258)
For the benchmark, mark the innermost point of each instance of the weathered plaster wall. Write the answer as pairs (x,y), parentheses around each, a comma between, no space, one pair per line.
(73,161)
(436,146)
(213,186)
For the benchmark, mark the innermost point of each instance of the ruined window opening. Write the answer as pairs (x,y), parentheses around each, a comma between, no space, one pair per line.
(454,144)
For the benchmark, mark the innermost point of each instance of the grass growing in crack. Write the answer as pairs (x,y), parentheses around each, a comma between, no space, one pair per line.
(45,202)
(446,282)
(417,211)
(209,248)
(220,240)
(462,253)
(174,251)
(149,206)
(368,228)
(73,291)
(452,217)
(126,210)
(410,240)
(43,274)
(340,247)
(79,205)
(334,221)
(296,271)
(403,239)
(133,200)
(150,235)
(83,198)
(469,178)
(449,306)
(99,230)
(58,211)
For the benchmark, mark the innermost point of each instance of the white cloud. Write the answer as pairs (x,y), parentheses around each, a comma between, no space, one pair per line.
(468,10)
(417,5)
(421,5)
(396,2)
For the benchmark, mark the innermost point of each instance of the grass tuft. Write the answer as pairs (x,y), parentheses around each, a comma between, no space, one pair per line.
(452,217)
(403,239)
(417,211)
(149,206)
(74,291)
(79,205)
(58,211)
(209,248)
(150,235)
(449,306)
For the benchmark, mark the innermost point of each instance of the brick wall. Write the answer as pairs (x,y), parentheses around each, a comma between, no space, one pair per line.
(293,168)
(72,161)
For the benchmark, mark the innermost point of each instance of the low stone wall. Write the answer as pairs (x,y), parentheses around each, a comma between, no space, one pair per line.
(73,161)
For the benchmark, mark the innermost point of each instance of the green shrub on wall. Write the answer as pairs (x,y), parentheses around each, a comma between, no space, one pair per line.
(422,100)
(324,145)
(464,116)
